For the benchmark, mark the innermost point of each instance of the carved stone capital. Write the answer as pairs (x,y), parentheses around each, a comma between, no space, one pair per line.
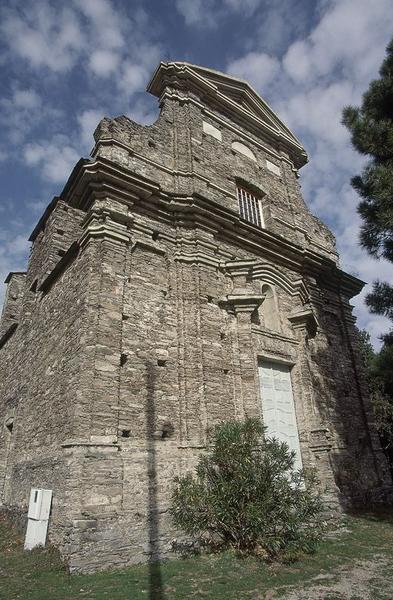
(304,320)
(242,302)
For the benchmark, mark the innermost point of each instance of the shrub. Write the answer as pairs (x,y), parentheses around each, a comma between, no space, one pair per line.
(245,494)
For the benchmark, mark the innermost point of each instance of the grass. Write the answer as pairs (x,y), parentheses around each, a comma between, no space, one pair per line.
(365,541)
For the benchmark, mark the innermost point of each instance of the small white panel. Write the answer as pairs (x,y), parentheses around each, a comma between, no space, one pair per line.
(38,518)
(35,534)
(211,130)
(273,168)
(39,504)
(239,147)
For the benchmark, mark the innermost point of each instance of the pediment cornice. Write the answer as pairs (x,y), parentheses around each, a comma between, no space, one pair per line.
(234,96)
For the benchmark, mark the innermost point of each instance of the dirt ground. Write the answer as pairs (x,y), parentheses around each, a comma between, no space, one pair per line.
(365,580)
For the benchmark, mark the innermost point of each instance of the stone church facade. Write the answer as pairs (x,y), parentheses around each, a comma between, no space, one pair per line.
(177,281)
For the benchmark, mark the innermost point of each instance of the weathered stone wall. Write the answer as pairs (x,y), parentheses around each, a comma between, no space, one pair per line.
(13,302)
(40,367)
(177,153)
(147,308)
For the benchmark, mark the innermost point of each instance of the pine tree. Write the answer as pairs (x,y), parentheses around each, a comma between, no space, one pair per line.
(379,371)
(371,127)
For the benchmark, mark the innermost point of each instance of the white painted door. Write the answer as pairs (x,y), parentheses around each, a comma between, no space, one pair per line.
(278,407)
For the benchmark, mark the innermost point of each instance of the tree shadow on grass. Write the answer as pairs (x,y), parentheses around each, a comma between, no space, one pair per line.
(378,514)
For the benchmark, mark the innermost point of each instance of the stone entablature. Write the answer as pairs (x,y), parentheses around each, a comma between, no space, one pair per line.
(149,306)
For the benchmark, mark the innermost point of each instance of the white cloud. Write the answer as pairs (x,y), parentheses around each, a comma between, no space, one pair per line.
(26,99)
(88,121)
(249,6)
(55,158)
(144,113)
(256,68)
(17,246)
(44,35)
(211,13)
(91,33)
(197,12)
(297,61)
(133,78)
(104,19)
(102,41)
(104,62)
(318,110)
(348,37)
(22,112)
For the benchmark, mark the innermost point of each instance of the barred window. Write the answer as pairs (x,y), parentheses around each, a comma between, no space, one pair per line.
(250,206)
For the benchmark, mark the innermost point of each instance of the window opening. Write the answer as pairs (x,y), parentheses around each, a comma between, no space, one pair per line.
(250,206)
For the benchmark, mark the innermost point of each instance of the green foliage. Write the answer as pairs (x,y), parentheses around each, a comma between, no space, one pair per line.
(379,369)
(380,300)
(371,127)
(245,494)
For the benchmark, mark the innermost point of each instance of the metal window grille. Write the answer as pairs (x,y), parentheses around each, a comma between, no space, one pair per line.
(249,207)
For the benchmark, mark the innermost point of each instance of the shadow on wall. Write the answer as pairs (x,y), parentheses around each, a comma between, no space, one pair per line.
(341,401)
(156,591)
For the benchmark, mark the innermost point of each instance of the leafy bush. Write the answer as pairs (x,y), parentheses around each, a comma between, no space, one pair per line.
(246,495)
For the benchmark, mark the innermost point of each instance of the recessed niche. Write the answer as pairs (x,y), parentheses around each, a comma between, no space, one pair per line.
(60,231)
(167,430)
(126,433)
(151,144)
(161,362)
(123,359)
(154,235)
(243,149)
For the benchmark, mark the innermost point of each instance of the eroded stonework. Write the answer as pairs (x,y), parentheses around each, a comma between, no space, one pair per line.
(147,307)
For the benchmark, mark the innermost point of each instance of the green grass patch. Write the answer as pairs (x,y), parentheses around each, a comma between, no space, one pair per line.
(40,575)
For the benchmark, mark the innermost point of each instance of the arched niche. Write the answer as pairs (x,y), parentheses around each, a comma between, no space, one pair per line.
(269,314)
(243,149)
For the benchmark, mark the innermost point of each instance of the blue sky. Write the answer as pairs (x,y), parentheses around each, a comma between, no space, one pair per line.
(65,65)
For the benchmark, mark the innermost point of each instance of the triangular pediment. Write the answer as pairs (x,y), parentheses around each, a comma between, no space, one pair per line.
(234,95)
(242,93)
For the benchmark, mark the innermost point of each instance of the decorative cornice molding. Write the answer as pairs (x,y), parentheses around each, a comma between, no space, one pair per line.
(103,177)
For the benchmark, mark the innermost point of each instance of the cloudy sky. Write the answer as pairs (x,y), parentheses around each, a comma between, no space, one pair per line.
(64,65)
